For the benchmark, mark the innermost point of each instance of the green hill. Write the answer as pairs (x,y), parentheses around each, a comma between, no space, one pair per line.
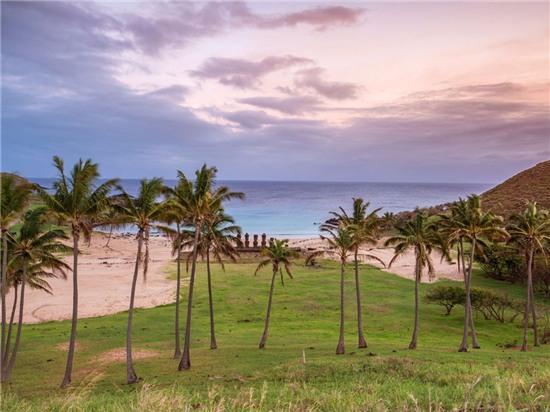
(510,196)
(298,370)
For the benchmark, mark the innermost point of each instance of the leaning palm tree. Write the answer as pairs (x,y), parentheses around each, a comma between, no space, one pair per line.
(470,225)
(37,249)
(417,234)
(15,195)
(219,239)
(530,231)
(195,203)
(340,239)
(144,212)
(363,227)
(279,256)
(77,201)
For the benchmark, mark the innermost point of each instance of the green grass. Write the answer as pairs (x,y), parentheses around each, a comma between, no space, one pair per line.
(239,376)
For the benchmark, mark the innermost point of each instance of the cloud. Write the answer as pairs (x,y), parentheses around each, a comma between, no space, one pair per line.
(245,74)
(321,17)
(311,79)
(294,105)
(179,22)
(174,93)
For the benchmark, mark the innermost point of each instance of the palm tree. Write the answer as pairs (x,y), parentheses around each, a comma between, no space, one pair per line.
(341,240)
(530,231)
(279,256)
(469,225)
(418,234)
(15,194)
(143,212)
(363,227)
(219,239)
(34,248)
(77,201)
(195,203)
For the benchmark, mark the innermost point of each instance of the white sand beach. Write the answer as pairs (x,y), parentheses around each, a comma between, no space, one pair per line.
(105,276)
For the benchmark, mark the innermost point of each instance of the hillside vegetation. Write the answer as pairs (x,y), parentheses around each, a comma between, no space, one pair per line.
(511,195)
(298,370)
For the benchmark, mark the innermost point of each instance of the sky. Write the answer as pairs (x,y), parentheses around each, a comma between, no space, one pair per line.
(362,91)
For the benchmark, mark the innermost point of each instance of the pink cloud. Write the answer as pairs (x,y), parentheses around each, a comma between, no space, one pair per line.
(181,22)
(312,80)
(245,74)
(293,105)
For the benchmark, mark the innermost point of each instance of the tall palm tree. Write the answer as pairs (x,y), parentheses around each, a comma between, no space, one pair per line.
(530,231)
(470,225)
(340,239)
(417,234)
(279,256)
(77,201)
(196,201)
(144,212)
(34,247)
(219,239)
(15,195)
(363,228)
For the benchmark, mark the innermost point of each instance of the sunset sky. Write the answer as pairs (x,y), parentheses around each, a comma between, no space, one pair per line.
(431,92)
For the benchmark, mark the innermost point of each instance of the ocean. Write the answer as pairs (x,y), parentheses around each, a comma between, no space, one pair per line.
(295,209)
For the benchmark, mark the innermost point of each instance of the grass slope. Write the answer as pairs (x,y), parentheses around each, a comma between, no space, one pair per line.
(511,195)
(238,376)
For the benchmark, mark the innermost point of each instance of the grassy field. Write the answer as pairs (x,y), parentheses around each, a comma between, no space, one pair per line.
(298,370)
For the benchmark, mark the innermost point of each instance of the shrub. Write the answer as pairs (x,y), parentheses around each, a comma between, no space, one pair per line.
(447,296)
(489,304)
(502,262)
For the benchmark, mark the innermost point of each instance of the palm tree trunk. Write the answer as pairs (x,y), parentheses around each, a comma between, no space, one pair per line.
(177,350)
(468,315)
(11,361)
(534,314)
(263,340)
(146,257)
(528,302)
(10,326)
(475,343)
(185,362)
(3,286)
(213,344)
(72,340)
(458,257)
(362,343)
(109,236)
(131,376)
(340,348)
(414,338)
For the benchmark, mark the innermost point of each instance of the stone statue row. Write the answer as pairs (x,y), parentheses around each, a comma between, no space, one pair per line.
(255,243)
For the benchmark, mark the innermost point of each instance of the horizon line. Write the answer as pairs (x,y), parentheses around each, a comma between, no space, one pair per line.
(299,181)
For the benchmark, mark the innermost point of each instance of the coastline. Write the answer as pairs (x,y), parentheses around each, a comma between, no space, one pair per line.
(105,274)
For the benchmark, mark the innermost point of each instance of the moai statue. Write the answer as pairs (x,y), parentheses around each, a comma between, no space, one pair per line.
(246,240)
(255,242)
(239,240)
(271,241)
(264,244)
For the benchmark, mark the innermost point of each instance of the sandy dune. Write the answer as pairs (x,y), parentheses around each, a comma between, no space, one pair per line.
(105,278)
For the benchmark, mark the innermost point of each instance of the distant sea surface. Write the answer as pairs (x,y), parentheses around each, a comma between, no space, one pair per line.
(295,209)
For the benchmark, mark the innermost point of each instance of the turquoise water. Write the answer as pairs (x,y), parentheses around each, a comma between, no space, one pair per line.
(296,208)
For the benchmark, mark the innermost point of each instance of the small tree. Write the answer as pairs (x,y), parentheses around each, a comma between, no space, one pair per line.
(279,256)
(420,235)
(78,202)
(530,231)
